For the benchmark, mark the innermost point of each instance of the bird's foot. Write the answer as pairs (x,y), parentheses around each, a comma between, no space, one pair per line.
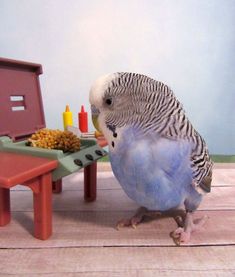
(183,233)
(136,219)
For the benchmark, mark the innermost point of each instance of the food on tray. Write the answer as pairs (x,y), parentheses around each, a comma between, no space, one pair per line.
(55,139)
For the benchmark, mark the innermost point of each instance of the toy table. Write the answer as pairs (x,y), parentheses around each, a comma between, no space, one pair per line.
(36,173)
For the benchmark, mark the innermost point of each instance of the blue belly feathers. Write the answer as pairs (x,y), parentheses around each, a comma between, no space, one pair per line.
(155,172)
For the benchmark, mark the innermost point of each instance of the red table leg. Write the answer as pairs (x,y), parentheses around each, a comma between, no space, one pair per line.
(5,213)
(90,173)
(43,208)
(57,186)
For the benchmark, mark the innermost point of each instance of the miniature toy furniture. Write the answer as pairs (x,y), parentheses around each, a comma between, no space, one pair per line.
(22,114)
(35,173)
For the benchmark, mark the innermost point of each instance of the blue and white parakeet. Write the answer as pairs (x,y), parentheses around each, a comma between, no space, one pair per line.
(157,156)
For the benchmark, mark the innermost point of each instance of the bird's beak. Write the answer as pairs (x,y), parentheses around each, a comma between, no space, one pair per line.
(95,114)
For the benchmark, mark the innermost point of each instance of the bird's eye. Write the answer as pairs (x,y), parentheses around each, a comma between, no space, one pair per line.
(109,101)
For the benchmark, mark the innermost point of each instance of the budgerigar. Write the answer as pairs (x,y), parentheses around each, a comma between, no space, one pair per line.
(157,156)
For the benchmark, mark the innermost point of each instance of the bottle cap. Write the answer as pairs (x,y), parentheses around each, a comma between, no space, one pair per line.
(67,108)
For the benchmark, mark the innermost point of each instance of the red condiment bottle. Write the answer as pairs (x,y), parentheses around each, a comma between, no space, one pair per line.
(82,120)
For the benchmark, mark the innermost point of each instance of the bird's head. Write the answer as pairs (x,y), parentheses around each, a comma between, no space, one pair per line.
(125,99)
(112,104)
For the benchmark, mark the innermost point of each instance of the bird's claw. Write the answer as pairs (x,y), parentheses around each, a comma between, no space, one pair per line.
(183,233)
(137,218)
(180,236)
(133,222)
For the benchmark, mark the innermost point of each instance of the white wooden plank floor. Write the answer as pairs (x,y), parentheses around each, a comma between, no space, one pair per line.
(86,243)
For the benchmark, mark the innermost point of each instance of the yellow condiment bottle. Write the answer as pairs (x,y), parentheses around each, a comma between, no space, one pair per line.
(67,117)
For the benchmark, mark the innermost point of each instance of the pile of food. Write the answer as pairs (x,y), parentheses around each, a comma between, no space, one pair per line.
(55,139)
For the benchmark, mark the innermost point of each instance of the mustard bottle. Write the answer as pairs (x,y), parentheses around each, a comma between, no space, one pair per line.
(67,117)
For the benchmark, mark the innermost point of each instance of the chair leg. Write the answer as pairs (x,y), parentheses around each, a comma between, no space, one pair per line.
(43,208)
(5,212)
(90,179)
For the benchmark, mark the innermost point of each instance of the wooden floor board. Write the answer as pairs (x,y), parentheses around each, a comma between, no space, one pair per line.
(126,259)
(223,177)
(220,198)
(93,229)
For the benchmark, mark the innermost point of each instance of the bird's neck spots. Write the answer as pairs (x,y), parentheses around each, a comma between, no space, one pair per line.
(112,128)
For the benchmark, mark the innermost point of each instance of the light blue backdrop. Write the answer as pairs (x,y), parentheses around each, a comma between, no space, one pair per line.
(188,44)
